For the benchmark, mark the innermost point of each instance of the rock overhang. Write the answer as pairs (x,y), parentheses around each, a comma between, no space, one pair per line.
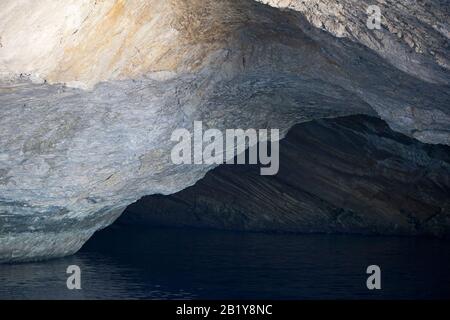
(144,69)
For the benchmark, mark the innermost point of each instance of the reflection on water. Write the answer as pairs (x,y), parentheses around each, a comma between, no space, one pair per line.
(186,264)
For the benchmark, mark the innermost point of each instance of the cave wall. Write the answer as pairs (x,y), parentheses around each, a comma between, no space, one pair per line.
(345,175)
(90,92)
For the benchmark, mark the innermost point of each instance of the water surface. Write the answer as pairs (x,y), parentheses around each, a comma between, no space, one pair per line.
(160,263)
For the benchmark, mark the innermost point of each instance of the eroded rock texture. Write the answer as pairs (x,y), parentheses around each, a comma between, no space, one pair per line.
(91,91)
(349,175)
(413,36)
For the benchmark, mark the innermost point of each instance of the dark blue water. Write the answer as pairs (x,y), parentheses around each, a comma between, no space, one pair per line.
(188,264)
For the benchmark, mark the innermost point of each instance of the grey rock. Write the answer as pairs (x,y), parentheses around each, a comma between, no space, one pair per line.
(414,35)
(71,159)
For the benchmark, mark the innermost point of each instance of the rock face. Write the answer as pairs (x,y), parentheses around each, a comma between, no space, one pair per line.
(90,92)
(413,36)
(346,175)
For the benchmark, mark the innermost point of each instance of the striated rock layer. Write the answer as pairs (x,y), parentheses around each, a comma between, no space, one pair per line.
(347,175)
(413,36)
(90,92)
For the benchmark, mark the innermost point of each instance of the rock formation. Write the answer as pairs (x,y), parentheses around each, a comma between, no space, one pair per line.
(345,175)
(413,36)
(90,92)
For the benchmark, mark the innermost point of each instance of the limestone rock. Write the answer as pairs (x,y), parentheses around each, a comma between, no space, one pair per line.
(91,90)
(414,35)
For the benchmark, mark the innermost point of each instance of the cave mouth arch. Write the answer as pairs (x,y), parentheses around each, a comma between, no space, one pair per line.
(75,143)
(343,175)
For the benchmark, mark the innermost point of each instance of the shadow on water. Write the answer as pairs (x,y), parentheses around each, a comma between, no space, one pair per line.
(160,263)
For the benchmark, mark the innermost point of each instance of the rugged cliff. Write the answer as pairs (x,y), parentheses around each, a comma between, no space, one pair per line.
(91,91)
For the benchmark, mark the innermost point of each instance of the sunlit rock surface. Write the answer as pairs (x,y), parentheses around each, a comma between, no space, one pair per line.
(413,36)
(90,92)
(346,175)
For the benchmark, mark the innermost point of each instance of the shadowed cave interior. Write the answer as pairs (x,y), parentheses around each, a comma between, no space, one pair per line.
(346,175)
